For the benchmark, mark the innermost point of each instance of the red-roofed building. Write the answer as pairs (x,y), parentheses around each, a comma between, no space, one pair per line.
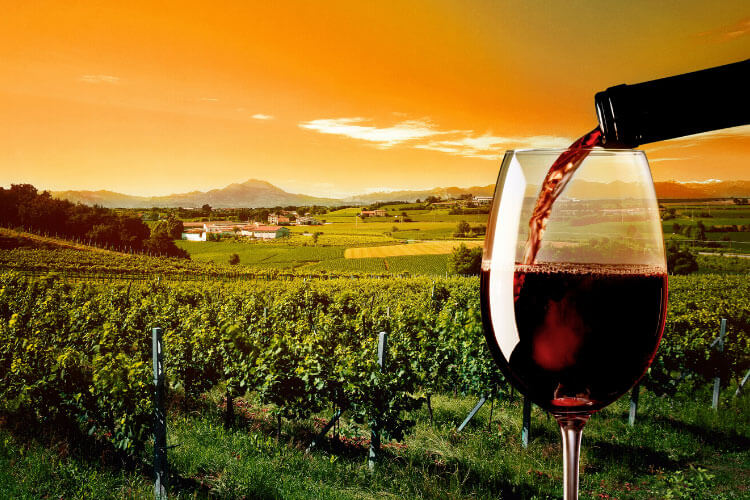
(373,213)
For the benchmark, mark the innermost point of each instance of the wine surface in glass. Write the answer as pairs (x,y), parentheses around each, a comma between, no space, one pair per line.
(587,332)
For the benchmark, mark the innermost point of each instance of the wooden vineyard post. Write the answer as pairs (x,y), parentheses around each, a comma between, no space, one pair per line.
(160,423)
(374,430)
(720,348)
(328,426)
(471,414)
(526,430)
(742,384)
(634,404)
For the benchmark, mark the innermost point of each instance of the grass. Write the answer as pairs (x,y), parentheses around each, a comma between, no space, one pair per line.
(679,448)
(259,254)
(435,265)
(738,237)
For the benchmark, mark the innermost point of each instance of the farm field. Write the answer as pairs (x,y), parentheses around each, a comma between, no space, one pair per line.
(258,254)
(422,248)
(710,214)
(414,258)
(436,230)
(379,244)
(243,337)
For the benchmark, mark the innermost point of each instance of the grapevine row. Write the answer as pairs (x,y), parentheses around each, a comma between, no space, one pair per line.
(78,354)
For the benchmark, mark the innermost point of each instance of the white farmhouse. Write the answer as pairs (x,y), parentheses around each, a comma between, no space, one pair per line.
(270,232)
(194,235)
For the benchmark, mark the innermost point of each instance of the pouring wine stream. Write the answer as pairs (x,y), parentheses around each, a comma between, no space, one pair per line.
(554,184)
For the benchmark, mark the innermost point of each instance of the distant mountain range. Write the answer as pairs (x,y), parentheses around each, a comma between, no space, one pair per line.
(257,193)
(253,193)
(711,189)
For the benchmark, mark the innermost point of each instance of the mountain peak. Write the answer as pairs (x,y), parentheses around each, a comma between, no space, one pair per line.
(257,182)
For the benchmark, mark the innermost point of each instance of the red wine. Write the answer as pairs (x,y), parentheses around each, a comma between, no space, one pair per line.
(585,332)
(554,183)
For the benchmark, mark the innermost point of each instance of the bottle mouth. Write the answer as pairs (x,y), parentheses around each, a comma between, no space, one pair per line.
(605,113)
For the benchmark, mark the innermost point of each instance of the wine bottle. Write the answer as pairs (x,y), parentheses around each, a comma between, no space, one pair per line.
(710,99)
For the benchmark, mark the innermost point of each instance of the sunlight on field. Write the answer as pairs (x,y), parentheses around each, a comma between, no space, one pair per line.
(426,248)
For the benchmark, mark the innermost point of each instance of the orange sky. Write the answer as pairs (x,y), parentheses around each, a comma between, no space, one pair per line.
(331,98)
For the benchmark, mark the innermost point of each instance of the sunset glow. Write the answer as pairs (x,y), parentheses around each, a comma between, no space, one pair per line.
(333,98)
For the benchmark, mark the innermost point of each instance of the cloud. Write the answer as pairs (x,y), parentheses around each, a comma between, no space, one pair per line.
(423,134)
(728,32)
(741,131)
(100,79)
(655,160)
(261,116)
(384,137)
(380,189)
(707,181)
(208,99)
(690,141)
(489,147)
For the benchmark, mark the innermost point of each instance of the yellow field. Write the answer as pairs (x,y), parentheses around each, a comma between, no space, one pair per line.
(425,248)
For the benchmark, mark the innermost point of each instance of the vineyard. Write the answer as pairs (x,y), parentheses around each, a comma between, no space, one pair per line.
(78,355)
(267,347)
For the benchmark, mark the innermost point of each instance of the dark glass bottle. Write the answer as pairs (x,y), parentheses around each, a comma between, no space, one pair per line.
(710,99)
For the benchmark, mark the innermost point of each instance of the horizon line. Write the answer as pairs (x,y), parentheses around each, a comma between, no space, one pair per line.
(337,195)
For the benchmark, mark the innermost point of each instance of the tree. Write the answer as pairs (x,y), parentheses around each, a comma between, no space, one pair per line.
(680,261)
(234,259)
(315,237)
(22,205)
(175,227)
(700,231)
(462,228)
(479,229)
(160,242)
(243,214)
(206,209)
(464,260)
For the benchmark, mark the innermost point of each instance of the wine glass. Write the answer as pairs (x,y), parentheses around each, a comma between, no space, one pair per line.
(576,328)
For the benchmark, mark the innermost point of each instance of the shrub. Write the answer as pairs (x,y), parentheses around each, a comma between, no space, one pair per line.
(464,260)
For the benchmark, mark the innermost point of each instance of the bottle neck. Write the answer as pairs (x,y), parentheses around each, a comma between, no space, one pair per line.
(710,99)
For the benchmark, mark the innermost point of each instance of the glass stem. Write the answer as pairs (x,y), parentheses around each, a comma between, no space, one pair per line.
(571,428)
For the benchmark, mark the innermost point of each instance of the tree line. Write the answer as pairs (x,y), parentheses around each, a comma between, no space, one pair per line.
(22,206)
